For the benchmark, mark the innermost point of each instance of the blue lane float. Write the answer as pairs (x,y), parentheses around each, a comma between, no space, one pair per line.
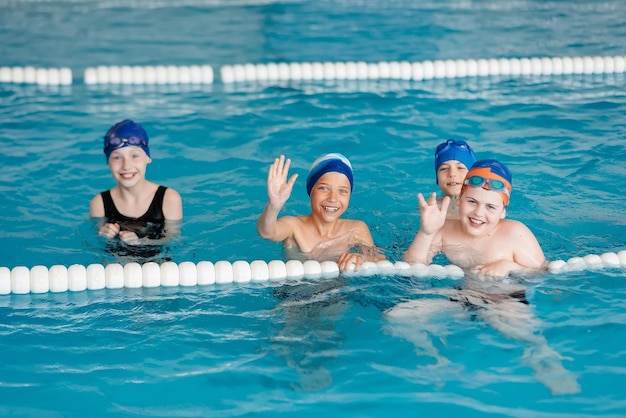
(22,280)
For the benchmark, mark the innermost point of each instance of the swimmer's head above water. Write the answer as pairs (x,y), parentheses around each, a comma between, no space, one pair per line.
(329,163)
(490,175)
(123,134)
(453,150)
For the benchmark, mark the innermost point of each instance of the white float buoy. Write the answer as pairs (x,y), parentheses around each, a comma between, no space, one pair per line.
(242,273)
(610,260)
(557,266)
(114,276)
(188,274)
(39,279)
(20,280)
(169,274)
(5,281)
(294,269)
(223,272)
(576,264)
(312,269)
(77,278)
(59,281)
(277,270)
(259,271)
(96,277)
(329,269)
(593,261)
(133,275)
(206,273)
(150,275)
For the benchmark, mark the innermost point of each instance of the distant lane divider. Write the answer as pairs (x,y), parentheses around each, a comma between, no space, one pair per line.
(32,75)
(296,71)
(417,71)
(160,74)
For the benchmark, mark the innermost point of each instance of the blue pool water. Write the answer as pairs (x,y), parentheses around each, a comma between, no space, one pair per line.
(307,347)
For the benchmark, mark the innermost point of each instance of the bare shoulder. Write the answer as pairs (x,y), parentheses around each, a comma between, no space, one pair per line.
(357,224)
(96,207)
(294,222)
(293,226)
(527,251)
(173,195)
(515,228)
(359,231)
(297,222)
(172,205)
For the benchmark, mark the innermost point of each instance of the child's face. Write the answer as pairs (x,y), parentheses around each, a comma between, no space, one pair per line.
(480,210)
(450,176)
(330,196)
(128,165)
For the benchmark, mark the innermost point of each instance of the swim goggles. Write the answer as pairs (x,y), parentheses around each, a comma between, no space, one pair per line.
(494,184)
(115,142)
(451,143)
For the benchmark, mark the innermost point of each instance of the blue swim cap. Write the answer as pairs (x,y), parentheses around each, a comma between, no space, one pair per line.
(453,150)
(123,134)
(329,163)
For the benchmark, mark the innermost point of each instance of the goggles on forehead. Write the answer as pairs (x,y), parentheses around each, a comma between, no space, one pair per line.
(115,142)
(494,184)
(450,143)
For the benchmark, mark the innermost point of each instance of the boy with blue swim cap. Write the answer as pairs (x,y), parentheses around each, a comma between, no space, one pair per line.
(329,163)
(453,159)
(136,211)
(321,235)
(481,239)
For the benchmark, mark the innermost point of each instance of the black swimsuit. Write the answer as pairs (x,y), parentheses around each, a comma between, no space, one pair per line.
(149,225)
(474,300)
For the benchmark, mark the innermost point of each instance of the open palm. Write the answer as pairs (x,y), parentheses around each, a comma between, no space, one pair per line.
(278,188)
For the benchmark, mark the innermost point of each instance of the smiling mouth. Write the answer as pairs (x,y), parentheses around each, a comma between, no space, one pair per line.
(330,209)
(475,222)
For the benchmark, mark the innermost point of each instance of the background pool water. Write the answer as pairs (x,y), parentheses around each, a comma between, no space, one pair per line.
(305,347)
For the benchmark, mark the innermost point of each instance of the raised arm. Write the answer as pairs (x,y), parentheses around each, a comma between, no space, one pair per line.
(278,192)
(432,218)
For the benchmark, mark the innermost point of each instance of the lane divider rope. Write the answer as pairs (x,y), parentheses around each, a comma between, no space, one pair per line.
(58,278)
(32,75)
(160,74)
(426,70)
(294,71)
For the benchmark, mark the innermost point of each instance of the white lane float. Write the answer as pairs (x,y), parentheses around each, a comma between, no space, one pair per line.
(21,280)
(424,70)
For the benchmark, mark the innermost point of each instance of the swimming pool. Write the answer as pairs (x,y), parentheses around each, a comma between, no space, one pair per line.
(306,347)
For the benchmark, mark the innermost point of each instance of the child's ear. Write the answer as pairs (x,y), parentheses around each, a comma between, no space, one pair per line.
(149,160)
(503,214)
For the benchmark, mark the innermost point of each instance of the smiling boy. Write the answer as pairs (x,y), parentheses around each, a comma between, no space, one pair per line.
(481,239)
(321,234)
(453,159)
